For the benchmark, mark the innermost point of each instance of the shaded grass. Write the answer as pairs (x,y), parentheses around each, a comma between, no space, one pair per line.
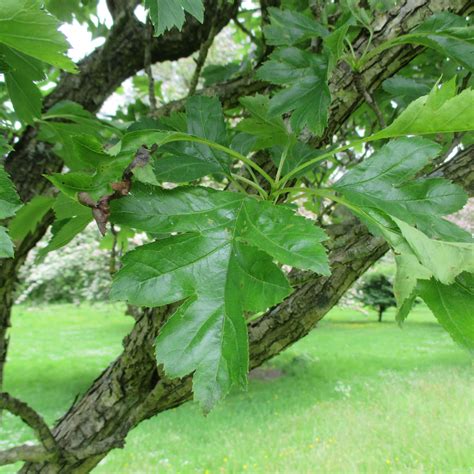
(353,396)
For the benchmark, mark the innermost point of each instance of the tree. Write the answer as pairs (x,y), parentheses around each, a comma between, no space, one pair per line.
(273,129)
(376,293)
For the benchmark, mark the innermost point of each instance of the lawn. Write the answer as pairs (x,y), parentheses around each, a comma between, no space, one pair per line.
(353,396)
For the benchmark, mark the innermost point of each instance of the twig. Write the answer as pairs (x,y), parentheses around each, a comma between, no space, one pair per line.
(101,208)
(201,59)
(361,89)
(33,419)
(243,28)
(148,70)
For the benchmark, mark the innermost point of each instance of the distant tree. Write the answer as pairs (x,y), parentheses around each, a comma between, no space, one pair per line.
(376,292)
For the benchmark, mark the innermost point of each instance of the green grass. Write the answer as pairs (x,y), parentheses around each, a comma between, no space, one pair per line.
(353,396)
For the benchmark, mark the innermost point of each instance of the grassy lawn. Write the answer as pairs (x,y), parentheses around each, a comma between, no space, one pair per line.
(353,396)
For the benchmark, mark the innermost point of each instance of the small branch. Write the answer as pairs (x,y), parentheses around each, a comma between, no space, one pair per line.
(49,448)
(25,453)
(361,89)
(148,69)
(31,418)
(203,52)
(243,28)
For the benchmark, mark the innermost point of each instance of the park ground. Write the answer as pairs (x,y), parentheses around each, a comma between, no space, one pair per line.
(353,396)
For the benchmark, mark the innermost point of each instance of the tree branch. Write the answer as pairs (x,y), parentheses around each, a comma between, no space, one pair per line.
(49,448)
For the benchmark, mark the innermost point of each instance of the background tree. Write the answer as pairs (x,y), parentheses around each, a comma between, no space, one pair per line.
(376,292)
(282,130)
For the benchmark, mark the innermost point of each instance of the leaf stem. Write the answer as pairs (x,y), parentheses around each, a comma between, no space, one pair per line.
(251,183)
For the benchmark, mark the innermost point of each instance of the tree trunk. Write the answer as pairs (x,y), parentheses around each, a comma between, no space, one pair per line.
(381,310)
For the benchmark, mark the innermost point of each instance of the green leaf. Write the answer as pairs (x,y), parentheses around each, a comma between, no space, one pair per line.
(165,14)
(289,27)
(445,260)
(28,217)
(6,246)
(26,27)
(180,167)
(268,129)
(4,146)
(386,181)
(222,267)
(65,230)
(409,271)
(334,44)
(308,93)
(66,124)
(25,96)
(444,32)
(185,161)
(206,120)
(399,86)
(9,200)
(215,73)
(453,306)
(439,112)
(28,66)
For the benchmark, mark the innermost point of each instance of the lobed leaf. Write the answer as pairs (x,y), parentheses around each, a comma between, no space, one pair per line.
(166,14)
(26,27)
(221,263)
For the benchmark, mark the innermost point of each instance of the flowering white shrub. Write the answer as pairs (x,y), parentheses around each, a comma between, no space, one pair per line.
(75,273)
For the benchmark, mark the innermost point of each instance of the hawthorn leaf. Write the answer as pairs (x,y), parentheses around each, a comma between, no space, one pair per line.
(166,14)
(446,260)
(453,306)
(441,111)
(408,88)
(28,217)
(218,267)
(276,231)
(308,93)
(28,28)
(25,96)
(205,119)
(9,199)
(409,271)
(268,129)
(27,65)
(444,32)
(215,73)
(6,245)
(288,28)
(67,120)
(298,153)
(184,161)
(64,230)
(386,181)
